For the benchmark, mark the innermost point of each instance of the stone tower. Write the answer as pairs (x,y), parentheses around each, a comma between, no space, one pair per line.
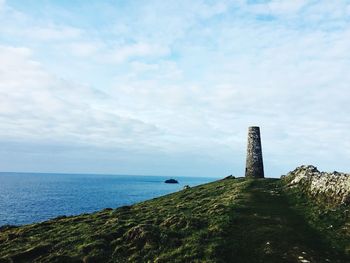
(254,165)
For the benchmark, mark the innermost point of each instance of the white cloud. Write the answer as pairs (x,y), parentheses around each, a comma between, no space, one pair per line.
(84,49)
(16,24)
(123,53)
(37,106)
(52,33)
(208,10)
(279,7)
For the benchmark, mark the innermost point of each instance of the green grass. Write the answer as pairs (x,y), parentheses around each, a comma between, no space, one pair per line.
(233,220)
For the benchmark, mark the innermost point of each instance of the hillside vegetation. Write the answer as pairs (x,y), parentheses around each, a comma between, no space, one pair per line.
(231,220)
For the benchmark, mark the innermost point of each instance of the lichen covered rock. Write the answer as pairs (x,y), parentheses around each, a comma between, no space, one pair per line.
(332,188)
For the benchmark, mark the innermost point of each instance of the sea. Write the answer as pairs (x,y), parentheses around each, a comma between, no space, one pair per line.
(27,198)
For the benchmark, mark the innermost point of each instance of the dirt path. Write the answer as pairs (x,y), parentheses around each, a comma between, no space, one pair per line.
(264,228)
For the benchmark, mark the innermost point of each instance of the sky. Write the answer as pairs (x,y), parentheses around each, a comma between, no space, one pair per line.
(171,87)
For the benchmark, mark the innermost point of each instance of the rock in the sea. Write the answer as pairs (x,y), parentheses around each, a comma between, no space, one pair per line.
(186,187)
(171,181)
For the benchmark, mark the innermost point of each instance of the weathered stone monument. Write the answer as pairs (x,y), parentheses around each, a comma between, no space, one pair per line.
(254,165)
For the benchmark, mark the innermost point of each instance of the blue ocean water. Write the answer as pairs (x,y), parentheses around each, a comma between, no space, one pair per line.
(33,197)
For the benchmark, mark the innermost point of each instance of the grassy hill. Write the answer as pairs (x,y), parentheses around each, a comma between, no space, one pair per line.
(231,220)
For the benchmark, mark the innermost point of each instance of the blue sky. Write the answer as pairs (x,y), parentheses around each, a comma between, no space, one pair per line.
(170,87)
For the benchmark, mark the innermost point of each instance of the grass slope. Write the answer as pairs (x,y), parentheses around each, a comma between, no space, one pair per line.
(232,220)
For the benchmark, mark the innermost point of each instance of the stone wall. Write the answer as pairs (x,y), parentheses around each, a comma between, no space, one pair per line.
(331,188)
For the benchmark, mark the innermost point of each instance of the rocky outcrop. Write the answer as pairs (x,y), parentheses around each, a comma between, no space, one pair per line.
(331,188)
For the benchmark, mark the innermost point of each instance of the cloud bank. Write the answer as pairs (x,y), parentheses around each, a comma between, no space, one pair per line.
(171,89)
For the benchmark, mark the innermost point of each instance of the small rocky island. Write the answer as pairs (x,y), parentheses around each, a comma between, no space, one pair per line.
(171,181)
